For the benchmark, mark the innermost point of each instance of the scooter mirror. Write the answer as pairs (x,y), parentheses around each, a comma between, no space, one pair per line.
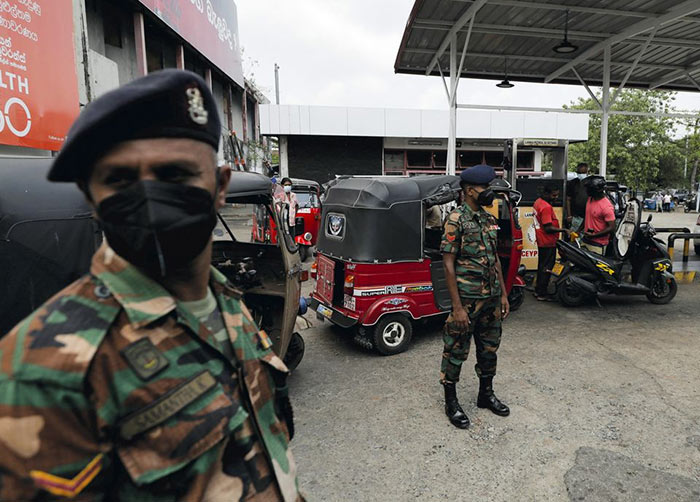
(649,219)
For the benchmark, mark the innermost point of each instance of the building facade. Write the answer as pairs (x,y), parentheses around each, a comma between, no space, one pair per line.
(116,41)
(320,142)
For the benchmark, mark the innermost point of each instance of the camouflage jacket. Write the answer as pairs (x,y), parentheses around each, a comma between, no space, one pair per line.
(111,390)
(472,237)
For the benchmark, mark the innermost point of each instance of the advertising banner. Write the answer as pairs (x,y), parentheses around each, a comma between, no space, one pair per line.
(38,81)
(210,26)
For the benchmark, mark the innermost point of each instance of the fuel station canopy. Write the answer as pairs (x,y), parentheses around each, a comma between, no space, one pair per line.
(648,44)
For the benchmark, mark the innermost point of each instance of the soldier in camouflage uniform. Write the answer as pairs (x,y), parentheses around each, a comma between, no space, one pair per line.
(479,302)
(147,379)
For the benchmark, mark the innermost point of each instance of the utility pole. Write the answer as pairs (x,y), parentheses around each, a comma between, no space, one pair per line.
(277,84)
(685,166)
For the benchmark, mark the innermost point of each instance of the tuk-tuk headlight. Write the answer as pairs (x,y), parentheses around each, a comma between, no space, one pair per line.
(308,236)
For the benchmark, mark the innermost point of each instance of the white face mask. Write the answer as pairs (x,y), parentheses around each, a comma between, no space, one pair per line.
(287,188)
(581,175)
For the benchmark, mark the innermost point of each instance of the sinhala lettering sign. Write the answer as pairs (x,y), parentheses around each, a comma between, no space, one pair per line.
(210,26)
(38,80)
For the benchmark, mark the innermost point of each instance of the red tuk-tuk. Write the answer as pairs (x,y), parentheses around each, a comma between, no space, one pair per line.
(307,220)
(308,217)
(379,268)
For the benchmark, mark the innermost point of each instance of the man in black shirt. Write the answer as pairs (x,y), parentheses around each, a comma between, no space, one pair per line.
(576,198)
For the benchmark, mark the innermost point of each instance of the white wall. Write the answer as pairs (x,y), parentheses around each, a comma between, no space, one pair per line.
(279,120)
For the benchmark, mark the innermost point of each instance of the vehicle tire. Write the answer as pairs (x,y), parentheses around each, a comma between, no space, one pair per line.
(570,295)
(663,291)
(515,298)
(697,249)
(295,351)
(303,253)
(392,334)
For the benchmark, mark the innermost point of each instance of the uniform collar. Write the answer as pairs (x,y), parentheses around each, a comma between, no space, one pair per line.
(142,298)
(469,212)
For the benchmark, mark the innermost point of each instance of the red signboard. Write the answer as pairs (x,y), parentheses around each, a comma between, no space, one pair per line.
(210,26)
(38,82)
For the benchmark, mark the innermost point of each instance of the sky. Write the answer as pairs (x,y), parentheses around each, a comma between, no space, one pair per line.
(342,52)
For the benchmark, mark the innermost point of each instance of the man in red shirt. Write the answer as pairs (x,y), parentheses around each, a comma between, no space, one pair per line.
(546,229)
(600,217)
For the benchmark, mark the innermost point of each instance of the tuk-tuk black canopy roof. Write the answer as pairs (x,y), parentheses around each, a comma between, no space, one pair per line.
(246,184)
(47,237)
(383,193)
(25,193)
(382,219)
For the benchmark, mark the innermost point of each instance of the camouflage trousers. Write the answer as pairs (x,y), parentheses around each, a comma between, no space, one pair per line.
(484,327)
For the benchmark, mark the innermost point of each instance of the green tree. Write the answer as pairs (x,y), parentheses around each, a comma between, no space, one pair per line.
(639,148)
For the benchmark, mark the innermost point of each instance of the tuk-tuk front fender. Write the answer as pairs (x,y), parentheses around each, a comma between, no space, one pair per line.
(389,305)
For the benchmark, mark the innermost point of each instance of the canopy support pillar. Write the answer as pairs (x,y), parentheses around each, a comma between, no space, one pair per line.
(606,112)
(452,135)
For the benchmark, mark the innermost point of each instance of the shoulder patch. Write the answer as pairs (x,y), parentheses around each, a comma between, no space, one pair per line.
(61,336)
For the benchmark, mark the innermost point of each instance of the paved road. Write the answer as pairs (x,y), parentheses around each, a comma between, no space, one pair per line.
(605,407)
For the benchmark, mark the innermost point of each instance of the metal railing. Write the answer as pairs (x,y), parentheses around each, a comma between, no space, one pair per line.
(686,236)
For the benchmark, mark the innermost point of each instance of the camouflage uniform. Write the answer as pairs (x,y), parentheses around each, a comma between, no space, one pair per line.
(472,237)
(111,390)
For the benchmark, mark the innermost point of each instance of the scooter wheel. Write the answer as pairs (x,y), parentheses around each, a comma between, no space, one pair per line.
(570,295)
(392,334)
(663,290)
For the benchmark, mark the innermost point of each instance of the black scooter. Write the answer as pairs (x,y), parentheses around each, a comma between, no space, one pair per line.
(646,270)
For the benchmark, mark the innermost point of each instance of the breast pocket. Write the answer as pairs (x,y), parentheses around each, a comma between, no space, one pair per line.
(184,421)
(473,243)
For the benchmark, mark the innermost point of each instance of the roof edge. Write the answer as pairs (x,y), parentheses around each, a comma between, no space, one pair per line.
(404,38)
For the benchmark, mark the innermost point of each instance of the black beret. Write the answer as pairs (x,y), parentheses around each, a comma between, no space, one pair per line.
(478,175)
(163,104)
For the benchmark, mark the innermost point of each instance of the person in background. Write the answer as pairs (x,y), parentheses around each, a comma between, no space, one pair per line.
(547,230)
(659,199)
(576,198)
(291,199)
(667,202)
(600,217)
(433,217)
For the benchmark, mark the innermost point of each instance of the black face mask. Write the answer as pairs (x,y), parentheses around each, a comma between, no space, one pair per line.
(486,197)
(158,226)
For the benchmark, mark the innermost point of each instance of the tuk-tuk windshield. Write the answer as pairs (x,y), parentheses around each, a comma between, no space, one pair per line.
(244,223)
(307,199)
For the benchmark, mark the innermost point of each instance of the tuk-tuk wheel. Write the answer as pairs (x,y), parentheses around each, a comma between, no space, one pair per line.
(303,252)
(515,298)
(295,352)
(392,334)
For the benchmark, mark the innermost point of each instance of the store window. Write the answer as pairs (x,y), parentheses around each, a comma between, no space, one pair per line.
(470,158)
(419,158)
(394,161)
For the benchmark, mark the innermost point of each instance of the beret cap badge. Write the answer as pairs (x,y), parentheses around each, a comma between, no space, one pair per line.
(198,113)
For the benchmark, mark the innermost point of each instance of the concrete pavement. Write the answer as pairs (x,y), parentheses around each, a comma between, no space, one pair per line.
(605,407)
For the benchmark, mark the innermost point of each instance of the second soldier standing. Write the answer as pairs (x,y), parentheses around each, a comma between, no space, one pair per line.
(479,302)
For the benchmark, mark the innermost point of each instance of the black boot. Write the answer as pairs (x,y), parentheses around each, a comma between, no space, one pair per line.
(487,399)
(452,408)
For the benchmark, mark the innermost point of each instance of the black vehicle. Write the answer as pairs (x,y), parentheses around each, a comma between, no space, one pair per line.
(645,267)
(268,272)
(690,203)
(47,237)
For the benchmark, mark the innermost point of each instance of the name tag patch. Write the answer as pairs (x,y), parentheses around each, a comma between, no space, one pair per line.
(166,406)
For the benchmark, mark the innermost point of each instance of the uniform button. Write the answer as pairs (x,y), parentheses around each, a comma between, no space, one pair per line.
(102,291)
